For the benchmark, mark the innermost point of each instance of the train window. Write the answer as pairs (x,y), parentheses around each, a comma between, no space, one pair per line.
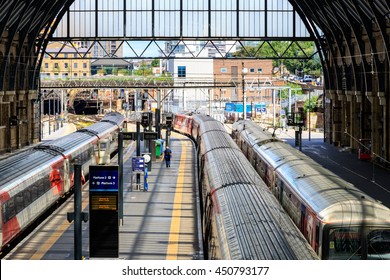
(41,188)
(9,210)
(379,244)
(34,193)
(19,205)
(344,243)
(27,197)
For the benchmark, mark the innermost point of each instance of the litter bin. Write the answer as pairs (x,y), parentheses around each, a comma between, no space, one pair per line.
(159,147)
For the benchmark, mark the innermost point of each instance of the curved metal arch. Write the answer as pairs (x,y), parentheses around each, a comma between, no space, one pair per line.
(318,42)
(41,34)
(8,79)
(31,33)
(312,11)
(381,20)
(6,8)
(342,18)
(23,34)
(355,53)
(362,9)
(22,26)
(46,31)
(336,31)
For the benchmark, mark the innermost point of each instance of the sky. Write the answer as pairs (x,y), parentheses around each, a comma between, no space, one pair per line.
(137,20)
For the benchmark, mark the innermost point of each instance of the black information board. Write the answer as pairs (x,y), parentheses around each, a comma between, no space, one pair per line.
(150,135)
(103,211)
(129,136)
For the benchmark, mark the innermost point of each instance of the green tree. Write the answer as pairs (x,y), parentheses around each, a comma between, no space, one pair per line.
(277,49)
(155,62)
(143,70)
(313,104)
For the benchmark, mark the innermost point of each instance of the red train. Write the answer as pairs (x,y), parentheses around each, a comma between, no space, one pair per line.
(33,181)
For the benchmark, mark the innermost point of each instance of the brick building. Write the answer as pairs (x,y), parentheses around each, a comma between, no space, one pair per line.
(255,73)
(69,62)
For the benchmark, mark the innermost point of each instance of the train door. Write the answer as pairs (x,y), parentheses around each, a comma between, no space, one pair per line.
(278,192)
(317,237)
(103,151)
(302,219)
(262,170)
(309,229)
(66,176)
(270,178)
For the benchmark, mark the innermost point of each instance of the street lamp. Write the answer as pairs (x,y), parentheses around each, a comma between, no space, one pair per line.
(243,72)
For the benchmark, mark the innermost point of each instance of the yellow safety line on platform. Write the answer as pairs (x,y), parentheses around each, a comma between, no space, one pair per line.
(54,237)
(174,233)
(65,225)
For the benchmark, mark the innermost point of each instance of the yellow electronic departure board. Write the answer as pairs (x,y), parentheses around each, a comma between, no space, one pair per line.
(104,202)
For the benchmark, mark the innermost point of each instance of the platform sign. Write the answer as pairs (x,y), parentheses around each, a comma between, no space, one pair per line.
(104,211)
(261,108)
(103,178)
(239,108)
(229,107)
(138,164)
(129,135)
(150,135)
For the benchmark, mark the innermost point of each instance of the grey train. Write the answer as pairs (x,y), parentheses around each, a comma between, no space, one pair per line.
(241,218)
(34,180)
(338,220)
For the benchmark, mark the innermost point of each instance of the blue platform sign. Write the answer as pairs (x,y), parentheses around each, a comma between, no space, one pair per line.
(229,107)
(261,108)
(103,178)
(138,164)
(239,108)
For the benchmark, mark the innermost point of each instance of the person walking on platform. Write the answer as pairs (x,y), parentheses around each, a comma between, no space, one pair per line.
(167,157)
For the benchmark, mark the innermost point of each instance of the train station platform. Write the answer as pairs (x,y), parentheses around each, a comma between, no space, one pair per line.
(159,224)
(371,179)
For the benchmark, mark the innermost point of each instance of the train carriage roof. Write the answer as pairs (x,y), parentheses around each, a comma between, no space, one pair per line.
(239,192)
(253,132)
(329,196)
(15,168)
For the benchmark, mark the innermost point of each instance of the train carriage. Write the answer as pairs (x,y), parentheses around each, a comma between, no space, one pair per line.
(33,181)
(241,218)
(338,220)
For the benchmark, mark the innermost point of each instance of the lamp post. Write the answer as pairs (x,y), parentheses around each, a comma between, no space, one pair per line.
(309,107)
(243,72)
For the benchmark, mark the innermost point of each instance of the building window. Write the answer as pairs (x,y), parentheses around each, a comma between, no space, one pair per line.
(85,65)
(56,65)
(252,70)
(75,65)
(75,55)
(181,71)
(66,65)
(65,55)
(46,65)
(223,70)
(85,74)
(75,74)
(259,70)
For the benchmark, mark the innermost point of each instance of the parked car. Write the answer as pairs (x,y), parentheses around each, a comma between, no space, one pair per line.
(308,79)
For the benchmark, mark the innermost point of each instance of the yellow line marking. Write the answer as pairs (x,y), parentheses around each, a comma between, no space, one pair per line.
(65,225)
(174,233)
(55,236)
